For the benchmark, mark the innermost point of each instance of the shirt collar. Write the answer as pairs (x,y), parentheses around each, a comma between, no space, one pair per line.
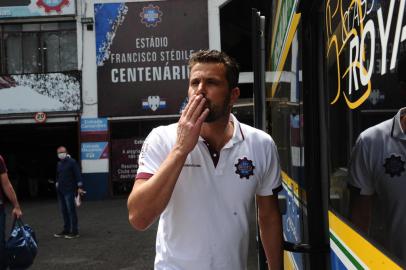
(238,134)
(397,131)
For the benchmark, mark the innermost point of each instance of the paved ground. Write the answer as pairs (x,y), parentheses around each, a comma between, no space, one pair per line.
(107,241)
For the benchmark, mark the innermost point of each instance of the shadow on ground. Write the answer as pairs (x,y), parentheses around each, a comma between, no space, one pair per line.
(107,241)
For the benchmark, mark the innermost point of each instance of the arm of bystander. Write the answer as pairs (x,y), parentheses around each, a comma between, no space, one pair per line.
(11,195)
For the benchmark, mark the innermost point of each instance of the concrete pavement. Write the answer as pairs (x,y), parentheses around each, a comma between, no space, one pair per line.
(107,240)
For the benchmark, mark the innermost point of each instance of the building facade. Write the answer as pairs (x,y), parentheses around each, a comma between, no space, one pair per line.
(96,77)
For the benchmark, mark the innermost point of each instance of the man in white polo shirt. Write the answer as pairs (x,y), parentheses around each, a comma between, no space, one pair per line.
(200,175)
(378,179)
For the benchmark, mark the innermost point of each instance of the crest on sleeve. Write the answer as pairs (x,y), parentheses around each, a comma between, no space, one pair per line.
(394,165)
(244,168)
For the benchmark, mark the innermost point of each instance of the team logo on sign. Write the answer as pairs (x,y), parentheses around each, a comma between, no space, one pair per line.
(244,168)
(394,165)
(154,103)
(151,15)
(52,5)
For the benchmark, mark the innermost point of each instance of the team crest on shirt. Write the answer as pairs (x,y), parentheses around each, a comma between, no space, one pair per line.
(244,168)
(394,165)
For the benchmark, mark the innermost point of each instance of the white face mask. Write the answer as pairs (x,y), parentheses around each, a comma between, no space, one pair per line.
(61,155)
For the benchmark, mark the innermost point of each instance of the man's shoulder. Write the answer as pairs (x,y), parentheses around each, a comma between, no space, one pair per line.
(377,132)
(71,160)
(169,127)
(164,131)
(255,134)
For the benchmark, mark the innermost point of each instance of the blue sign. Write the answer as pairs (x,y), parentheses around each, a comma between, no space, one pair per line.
(94,150)
(93,124)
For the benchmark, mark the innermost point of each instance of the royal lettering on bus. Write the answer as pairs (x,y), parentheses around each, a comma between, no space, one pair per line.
(363,30)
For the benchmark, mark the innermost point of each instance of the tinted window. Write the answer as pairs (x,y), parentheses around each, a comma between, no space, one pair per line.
(365,54)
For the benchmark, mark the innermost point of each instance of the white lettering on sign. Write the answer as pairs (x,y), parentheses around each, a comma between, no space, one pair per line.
(148,57)
(359,36)
(151,42)
(146,74)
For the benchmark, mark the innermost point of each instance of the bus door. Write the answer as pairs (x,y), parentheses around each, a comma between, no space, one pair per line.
(290,121)
(365,70)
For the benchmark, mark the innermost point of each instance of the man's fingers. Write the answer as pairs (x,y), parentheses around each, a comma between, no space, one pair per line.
(193,105)
(202,117)
(198,111)
(186,109)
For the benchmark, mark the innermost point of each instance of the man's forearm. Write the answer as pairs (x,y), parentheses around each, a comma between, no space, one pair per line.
(271,237)
(149,198)
(9,190)
(360,209)
(78,176)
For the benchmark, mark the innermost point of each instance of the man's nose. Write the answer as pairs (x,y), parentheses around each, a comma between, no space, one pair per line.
(201,89)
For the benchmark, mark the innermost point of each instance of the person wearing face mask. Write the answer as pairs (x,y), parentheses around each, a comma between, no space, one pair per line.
(68,184)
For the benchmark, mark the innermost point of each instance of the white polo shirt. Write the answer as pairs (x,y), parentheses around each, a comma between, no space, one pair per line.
(205,224)
(378,166)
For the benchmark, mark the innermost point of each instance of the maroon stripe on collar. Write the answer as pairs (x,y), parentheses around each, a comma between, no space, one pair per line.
(242,134)
(215,156)
(144,176)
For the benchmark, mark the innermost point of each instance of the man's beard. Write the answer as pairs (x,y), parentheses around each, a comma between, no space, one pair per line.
(216,112)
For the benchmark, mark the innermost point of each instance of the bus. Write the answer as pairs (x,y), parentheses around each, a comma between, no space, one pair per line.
(337,69)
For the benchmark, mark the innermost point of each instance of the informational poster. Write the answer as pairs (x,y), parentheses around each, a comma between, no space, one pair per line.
(142,51)
(35,8)
(30,93)
(93,125)
(125,158)
(94,137)
(94,150)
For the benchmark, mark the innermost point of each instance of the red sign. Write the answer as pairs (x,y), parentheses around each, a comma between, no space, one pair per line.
(40,117)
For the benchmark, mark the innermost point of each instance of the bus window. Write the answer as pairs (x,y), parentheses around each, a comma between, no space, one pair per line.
(285,124)
(366,76)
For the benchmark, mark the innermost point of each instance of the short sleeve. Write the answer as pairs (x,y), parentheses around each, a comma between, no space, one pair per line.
(270,183)
(153,153)
(360,175)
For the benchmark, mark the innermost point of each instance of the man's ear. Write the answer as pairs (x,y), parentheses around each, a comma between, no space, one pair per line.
(235,94)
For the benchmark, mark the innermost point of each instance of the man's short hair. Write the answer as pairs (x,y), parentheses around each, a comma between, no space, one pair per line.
(217,57)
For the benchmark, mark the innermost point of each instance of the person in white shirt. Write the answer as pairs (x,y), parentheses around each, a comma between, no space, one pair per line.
(200,175)
(377,179)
